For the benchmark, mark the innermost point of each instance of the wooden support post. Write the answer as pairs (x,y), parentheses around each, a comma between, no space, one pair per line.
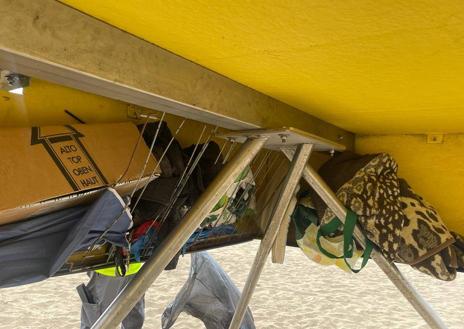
(280,243)
(128,297)
(291,181)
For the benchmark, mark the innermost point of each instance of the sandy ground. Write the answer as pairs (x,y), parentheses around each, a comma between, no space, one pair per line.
(297,294)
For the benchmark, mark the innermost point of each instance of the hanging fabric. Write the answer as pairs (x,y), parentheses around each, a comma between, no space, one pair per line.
(36,249)
(209,295)
(404,226)
(238,201)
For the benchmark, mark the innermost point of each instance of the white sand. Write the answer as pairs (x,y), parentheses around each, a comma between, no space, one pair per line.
(297,294)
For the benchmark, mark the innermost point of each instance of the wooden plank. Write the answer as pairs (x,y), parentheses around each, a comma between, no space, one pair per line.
(285,137)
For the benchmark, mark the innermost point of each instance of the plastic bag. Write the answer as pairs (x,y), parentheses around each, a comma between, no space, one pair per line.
(307,231)
(209,295)
(236,202)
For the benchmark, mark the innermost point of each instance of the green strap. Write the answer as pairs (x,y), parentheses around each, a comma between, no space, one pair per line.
(326,230)
(330,228)
(348,231)
(348,239)
(366,256)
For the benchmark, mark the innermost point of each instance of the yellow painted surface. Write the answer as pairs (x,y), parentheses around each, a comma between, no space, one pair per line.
(435,171)
(44,103)
(370,67)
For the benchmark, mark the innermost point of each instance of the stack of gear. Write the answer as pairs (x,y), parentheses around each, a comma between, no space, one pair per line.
(209,295)
(37,248)
(157,201)
(405,227)
(166,200)
(238,202)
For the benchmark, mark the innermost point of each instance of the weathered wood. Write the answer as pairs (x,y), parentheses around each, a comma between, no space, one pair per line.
(280,243)
(288,189)
(54,42)
(177,237)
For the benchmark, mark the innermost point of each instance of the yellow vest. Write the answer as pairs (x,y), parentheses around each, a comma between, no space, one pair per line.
(111,271)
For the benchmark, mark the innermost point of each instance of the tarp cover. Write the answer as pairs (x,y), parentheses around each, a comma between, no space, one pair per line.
(209,295)
(37,248)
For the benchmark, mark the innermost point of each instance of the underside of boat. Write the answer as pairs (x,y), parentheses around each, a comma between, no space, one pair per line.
(267,83)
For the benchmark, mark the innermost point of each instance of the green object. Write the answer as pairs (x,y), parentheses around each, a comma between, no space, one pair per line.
(242,175)
(303,217)
(221,203)
(111,271)
(348,240)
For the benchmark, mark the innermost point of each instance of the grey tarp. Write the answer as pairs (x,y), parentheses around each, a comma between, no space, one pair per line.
(35,249)
(209,295)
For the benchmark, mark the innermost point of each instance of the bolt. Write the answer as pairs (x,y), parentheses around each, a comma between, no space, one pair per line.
(283,138)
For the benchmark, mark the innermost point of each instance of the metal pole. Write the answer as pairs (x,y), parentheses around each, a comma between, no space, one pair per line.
(291,181)
(161,257)
(389,268)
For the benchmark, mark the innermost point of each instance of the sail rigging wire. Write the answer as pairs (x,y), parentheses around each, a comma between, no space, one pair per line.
(182,183)
(177,193)
(188,170)
(191,157)
(179,128)
(150,152)
(149,155)
(232,146)
(133,151)
(275,170)
(186,176)
(269,167)
(248,188)
(260,164)
(221,151)
(103,234)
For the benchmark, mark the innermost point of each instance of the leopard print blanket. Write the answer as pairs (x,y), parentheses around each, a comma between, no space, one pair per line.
(402,224)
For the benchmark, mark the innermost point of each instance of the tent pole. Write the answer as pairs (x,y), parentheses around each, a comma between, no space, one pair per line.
(291,181)
(389,268)
(161,257)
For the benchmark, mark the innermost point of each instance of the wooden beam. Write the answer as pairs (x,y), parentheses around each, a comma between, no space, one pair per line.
(51,41)
(280,243)
(288,189)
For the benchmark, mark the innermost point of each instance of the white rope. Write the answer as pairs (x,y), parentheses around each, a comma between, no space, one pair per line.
(133,152)
(150,152)
(157,165)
